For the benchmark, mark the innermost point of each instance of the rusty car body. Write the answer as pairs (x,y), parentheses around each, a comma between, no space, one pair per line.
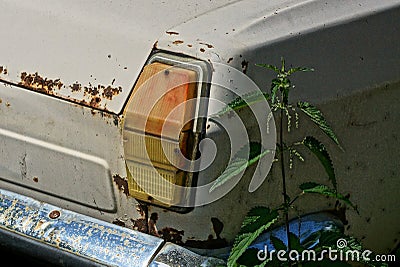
(70,159)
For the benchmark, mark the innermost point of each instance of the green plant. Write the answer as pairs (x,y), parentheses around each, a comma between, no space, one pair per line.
(260,219)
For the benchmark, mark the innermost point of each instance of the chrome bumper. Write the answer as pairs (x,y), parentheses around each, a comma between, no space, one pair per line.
(59,236)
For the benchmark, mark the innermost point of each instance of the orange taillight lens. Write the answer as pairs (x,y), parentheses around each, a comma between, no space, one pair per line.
(157,132)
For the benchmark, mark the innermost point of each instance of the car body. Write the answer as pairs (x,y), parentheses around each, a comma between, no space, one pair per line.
(69,70)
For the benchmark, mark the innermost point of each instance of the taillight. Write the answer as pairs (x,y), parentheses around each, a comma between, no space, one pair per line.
(161,131)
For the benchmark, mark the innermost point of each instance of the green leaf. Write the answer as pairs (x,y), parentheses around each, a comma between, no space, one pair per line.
(278,244)
(249,258)
(329,238)
(317,117)
(240,163)
(296,69)
(321,189)
(268,66)
(274,90)
(322,154)
(295,242)
(242,102)
(256,222)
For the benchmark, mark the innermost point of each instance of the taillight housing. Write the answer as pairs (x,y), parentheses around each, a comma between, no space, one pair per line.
(164,121)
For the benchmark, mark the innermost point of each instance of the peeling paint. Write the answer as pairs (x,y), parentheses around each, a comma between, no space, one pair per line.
(109,92)
(121,183)
(3,70)
(119,222)
(76,87)
(173,235)
(177,42)
(154,46)
(172,33)
(93,94)
(140,224)
(38,83)
(208,45)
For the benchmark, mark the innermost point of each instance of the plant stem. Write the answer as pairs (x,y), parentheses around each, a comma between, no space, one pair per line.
(285,199)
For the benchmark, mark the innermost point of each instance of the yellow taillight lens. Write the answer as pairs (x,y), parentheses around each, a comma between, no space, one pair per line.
(157,129)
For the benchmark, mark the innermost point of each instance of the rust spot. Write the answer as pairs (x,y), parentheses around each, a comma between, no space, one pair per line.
(202,50)
(109,92)
(3,70)
(93,91)
(170,234)
(95,102)
(152,227)
(208,45)
(229,60)
(76,87)
(116,120)
(93,95)
(141,223)
(189,45)
(119,222)
(121,183)
(35,179)
(35,82)
(109,56)
(54,214)
(177,42)
(172,33)
(8,104)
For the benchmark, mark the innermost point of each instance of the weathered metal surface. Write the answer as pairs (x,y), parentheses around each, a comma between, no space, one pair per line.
(59,149)
(175,256)
(353,47)
(269,30)
(84,43)
(81,235)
